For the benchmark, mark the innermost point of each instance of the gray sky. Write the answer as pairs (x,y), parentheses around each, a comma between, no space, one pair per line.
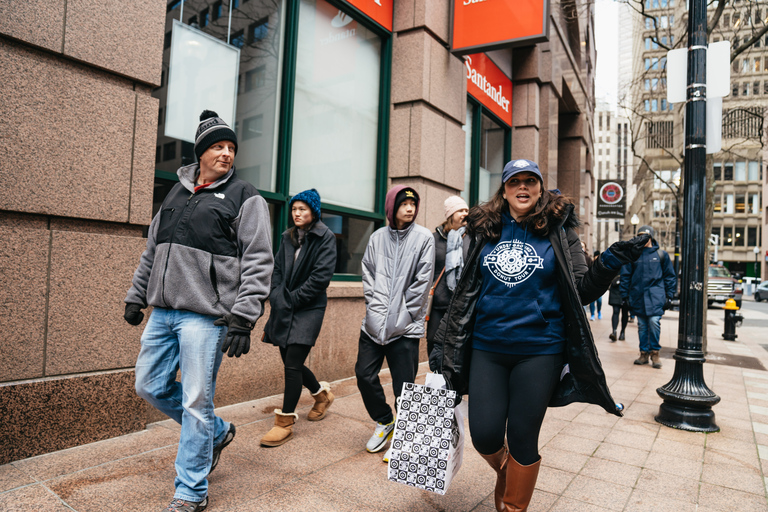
(607,42)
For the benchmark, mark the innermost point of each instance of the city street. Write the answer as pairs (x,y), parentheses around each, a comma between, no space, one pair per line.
(592,461)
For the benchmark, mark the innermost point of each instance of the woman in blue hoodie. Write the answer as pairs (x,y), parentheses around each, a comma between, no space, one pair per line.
(516,336)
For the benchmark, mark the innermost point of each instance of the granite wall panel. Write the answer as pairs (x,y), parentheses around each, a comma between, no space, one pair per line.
(400,141)
(143,168)
(74,127)
(432,14)
(123,37)
(37,22)
(41,416)
(428,126)
(23,276)
(455,151)
(335,353)
(90,275)
(410,67)
(447,81)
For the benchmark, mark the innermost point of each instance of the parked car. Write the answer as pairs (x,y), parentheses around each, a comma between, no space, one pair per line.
(761,292)
(722,286)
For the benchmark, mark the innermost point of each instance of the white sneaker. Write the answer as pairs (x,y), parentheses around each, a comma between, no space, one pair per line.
(381,435)
(387,455)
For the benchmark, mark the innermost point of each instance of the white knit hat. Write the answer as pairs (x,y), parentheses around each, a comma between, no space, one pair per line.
(454,204)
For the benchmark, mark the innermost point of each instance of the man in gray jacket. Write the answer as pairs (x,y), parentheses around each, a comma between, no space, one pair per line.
(397,274)
(206,271)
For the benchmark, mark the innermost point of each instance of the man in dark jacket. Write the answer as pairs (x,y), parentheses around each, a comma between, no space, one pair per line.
(649,285)
(206,272)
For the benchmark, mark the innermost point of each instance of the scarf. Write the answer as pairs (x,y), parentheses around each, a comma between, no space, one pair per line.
(454,257)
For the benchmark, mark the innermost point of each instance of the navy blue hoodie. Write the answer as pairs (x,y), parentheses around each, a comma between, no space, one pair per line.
(519,310)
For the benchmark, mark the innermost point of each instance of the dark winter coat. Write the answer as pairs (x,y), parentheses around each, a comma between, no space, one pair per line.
(649,282)
(442,293)
(614,294)
(298,296)
(578,285)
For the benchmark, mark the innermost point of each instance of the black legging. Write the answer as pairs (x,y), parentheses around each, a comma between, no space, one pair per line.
(510,391)
(624,317)
(296,375)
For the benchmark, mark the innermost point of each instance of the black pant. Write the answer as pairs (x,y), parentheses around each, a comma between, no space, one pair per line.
(403,359)
(624,317)
(296,375)
(434,321)
(510,391)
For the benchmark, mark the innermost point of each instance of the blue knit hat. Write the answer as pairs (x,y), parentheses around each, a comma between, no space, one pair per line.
(311,197)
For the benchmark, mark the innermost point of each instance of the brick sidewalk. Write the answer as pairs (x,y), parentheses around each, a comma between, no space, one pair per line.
(592,461)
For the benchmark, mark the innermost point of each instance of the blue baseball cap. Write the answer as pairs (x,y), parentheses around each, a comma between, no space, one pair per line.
(518,166)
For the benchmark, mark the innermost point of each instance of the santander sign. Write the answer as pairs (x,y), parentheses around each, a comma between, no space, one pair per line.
(489,85)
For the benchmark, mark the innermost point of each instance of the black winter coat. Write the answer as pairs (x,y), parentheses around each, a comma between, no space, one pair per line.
(614,296)
(578,284)
(298,297)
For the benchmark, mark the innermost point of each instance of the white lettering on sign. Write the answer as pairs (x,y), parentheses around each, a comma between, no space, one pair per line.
(332,38)
(480,81)
(469,2)
(378,2)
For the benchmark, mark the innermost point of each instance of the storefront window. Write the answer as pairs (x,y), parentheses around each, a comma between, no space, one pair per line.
(335,114)
(468,152)
(352,236)
(491,158)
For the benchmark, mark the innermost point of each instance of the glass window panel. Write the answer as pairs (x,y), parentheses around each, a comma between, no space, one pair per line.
(751,237)
(718,171)
(755,202)
(352,236)
(336,110)
(716,232)
(491,158)
(728,203)
(740,171)
(740,203)
(727,236)
(728,172)
(754,171)
(738,236)
(718,204)
(467,152)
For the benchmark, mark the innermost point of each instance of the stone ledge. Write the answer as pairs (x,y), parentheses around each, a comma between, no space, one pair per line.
(345,289)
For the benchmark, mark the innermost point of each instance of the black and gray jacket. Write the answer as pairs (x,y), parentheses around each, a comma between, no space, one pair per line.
(208,252)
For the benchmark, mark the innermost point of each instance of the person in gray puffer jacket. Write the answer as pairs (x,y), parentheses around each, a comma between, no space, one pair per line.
(397,275)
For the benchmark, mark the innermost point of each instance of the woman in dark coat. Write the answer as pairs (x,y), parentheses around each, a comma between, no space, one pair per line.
(515,335)
(304,267)
(619,306)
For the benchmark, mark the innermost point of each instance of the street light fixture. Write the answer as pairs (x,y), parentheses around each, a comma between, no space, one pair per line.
(756,250)
(635,220)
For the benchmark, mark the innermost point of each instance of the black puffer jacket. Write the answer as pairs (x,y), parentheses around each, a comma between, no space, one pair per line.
(578,284)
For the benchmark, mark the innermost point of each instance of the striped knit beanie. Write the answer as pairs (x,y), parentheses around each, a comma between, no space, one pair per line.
(312,198)
(212,129)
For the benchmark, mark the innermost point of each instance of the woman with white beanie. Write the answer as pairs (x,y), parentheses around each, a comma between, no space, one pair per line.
(451,249)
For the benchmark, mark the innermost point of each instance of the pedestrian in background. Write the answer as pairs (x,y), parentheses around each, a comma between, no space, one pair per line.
(620,307)
(397,273)
(648,285)
(451,251)
(206,272)
(304,267)
(516,335)
(596,304)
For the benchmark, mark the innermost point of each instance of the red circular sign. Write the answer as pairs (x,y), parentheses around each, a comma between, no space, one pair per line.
(611,193)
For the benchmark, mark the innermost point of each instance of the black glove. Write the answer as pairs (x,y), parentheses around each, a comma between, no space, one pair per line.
(238,339)
(133,314)
(668,304)
(626,251)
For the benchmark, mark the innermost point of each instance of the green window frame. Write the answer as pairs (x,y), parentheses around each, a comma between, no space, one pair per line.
(478,111)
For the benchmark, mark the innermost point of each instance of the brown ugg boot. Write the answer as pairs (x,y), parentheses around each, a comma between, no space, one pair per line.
(655,359)
(498,461)
(643,359)
(283,429)
(521,481)
(323,400)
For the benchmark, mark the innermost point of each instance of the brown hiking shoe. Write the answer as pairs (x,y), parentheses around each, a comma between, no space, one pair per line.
(643,359)
(179,505)
(655,359)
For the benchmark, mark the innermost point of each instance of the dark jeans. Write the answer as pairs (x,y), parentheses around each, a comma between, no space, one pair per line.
(403,359)
(510,392)
(296,375)
(624,310)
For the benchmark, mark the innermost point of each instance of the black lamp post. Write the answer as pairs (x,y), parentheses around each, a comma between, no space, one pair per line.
(687,399)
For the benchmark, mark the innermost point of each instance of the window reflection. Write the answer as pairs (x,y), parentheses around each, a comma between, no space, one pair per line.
(491,158)
(352,236)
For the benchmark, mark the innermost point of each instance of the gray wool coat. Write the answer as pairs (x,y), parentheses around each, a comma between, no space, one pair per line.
(298,296)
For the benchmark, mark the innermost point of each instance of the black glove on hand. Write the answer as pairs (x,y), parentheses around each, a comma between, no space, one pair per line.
(668,305)
(133,314)
(627,251)
(238,340)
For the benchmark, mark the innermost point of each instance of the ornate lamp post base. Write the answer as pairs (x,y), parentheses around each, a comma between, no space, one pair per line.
(687,399)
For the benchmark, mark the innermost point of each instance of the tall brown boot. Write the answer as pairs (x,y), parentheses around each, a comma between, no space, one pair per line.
(498,461)
(323,400)
(520,483)
(283,429)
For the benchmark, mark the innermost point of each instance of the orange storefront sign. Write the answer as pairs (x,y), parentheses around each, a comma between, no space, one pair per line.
(379,11)
(482,25)
(489,85)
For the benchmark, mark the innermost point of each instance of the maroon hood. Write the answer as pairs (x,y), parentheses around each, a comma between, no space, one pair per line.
(389,203)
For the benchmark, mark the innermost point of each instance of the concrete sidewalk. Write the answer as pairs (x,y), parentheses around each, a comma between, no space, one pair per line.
(592,461)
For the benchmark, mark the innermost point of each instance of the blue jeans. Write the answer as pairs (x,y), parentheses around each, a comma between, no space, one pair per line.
(599,303)
(176,339)
(649,330)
